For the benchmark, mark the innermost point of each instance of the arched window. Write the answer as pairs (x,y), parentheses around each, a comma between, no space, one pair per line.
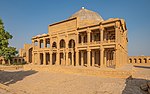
(62,43)
(54,45)
(41,44)
(71,43)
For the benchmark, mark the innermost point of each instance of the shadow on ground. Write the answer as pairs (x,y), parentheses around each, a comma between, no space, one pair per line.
(133,86)
(147,67)
(7,77)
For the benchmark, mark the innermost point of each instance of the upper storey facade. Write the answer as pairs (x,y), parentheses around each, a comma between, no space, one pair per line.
(85,38)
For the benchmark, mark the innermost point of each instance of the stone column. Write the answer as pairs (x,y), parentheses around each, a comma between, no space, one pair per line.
(105,58)
(77,58)
(58,58)
(102,57)
(67,58)
(117,55)
(88,58)
(102,34)
(39,59)
(82,59)
(88,36)
(58,52)
(51,58)
(93,37)
(72,61)
(32,58)
(44,43)
(82,39)
(117,31)
(44,58)
(93,58)
(38,43)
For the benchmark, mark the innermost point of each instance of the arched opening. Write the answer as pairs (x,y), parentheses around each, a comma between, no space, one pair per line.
(47,43)
(62,43)
(62,58)
(15,60)
(71,43)
(41,44)
(53,58)
(54,45)
(30,55)
(47,58)
(130,60)
(35,43)
(19,60)
(135,60)
(41,58)
(140,61)
(145,60)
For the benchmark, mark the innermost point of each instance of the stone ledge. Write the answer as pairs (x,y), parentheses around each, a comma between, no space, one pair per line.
(101,72)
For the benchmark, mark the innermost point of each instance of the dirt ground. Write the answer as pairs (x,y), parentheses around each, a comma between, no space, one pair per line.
(34,82)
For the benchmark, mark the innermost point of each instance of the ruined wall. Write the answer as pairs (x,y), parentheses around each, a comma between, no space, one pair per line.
(139,59)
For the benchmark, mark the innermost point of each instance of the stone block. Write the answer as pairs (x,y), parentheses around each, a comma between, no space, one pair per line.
(144,87)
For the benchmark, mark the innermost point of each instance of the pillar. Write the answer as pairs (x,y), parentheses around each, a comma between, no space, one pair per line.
(72,61)
(93,37)
(39,59)
(51,58)
(58,58)
(105,57)
(77,58)
(88,36)
(82,39)
(67,58)
(93,58)
(102,57)
(88,58)
(101,35)
(82,59)
(44,58)
(33,58)
(44,43)
(117,56)
(38,43)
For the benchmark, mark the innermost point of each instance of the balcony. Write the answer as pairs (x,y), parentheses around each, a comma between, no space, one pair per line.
(109,41)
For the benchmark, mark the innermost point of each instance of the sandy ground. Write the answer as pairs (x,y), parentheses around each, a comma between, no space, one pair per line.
(33,82)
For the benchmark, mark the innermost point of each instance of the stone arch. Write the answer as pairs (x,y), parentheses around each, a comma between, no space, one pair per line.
(30,55)
(47,41)
(62,43)
(54,45)
(140,60)
(130,60)
(71,43)
(35,43)
(135,61)
(41,43)
(145,60)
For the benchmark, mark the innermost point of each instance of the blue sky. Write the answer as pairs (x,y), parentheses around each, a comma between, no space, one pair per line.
(27,18)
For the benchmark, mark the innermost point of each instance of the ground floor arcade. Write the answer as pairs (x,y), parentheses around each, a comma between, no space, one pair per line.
(94,57)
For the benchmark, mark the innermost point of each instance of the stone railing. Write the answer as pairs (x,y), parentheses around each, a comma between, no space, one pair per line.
(109,41)
(70,49)
(95,42)
(80,44)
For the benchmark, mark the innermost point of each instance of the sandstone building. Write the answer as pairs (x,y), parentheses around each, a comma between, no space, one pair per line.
(84,39)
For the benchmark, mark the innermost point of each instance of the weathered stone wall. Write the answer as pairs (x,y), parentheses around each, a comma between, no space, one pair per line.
(139,60)
(13,67)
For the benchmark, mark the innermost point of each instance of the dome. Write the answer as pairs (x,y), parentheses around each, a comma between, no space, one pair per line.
(84,14)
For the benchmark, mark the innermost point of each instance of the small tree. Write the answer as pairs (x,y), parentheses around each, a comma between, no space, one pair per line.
(5,51)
